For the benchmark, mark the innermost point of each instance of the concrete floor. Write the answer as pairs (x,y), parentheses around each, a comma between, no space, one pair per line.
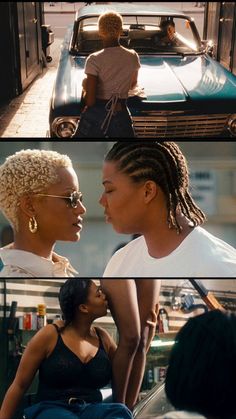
(27,114)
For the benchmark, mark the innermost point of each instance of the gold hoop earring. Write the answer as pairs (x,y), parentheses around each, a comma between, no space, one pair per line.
(33,226)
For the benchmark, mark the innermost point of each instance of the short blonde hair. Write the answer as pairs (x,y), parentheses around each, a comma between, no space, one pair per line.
(110,24)
(27,171)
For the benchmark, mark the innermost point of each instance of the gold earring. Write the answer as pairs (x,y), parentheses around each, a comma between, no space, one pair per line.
(33,226)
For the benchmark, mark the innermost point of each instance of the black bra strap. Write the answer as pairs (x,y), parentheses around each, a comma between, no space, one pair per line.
(99,337)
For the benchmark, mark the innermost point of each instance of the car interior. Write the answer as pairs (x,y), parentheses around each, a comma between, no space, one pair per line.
(141,37)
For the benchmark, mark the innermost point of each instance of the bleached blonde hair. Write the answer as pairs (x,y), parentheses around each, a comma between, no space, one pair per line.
(110,24)
(25,172)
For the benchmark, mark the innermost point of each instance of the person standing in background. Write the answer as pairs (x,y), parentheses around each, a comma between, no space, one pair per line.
(134,305)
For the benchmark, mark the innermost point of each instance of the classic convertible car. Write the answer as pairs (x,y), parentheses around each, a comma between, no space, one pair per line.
(182,91)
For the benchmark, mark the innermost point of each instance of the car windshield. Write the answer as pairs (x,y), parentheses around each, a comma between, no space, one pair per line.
(144,34)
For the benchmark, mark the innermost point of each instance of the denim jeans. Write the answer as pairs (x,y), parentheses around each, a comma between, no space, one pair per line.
(91,121)
(63,410)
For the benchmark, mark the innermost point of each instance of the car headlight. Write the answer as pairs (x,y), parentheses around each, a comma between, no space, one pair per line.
(232,124)
(64,127)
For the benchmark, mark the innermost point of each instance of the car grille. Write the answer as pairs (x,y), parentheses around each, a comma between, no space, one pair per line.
(175,125)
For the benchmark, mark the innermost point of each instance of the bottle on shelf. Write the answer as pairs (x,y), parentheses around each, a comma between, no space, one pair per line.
(41,316)
(163,321)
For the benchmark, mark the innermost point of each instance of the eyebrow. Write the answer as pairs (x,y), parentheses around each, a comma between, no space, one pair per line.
(70,190)
(106,181)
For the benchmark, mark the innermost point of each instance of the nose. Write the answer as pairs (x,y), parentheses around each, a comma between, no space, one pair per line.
(102,200)
(103,295)
(80,209)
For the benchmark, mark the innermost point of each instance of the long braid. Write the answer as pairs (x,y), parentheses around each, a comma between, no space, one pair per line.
(165,164)
(188,205)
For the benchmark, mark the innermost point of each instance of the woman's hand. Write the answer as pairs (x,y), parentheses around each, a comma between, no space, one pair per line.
(152,323)
(60,323)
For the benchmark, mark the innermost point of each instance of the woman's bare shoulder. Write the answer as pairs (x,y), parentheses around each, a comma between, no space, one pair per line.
(44,338)
(46,332)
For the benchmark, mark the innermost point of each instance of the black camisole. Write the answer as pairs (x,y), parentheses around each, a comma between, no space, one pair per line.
(63,375)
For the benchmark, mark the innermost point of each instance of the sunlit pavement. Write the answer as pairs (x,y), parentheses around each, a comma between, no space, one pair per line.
(66,7)
(62,7)
(26,116)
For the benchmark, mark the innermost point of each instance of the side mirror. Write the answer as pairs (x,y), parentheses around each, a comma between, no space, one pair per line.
(208,47)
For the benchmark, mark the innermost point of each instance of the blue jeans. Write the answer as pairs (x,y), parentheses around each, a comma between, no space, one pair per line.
(63,410)
(91,121)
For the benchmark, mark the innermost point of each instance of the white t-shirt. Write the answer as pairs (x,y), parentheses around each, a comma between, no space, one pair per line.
(114,67)
(22,264)
(199,255)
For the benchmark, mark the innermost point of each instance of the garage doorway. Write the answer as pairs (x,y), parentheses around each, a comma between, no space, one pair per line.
(226,34)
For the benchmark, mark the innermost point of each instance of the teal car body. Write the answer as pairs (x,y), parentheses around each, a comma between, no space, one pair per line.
(186,92)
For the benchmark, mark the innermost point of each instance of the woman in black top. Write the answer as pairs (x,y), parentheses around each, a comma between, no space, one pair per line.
(74,361)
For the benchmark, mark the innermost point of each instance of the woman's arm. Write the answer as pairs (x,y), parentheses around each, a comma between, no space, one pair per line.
(109,344)
(134,80)
(36,351)
(90,89)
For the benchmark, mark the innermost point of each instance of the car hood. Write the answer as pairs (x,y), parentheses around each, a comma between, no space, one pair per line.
(180,80)
(177,79)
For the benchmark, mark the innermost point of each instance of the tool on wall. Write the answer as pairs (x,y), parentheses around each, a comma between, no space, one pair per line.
(209,299)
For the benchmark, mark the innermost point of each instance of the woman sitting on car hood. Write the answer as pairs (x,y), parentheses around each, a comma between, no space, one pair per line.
(74,361)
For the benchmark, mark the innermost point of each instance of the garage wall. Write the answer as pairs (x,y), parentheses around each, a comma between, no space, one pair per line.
(220,27)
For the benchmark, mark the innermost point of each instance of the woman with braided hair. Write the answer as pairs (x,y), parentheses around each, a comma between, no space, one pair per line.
(147,193)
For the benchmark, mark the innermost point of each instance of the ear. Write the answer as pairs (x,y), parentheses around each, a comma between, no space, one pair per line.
(150,191)
(83,308)
(27,205)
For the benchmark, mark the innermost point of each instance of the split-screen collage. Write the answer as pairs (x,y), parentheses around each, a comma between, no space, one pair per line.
(118,210)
